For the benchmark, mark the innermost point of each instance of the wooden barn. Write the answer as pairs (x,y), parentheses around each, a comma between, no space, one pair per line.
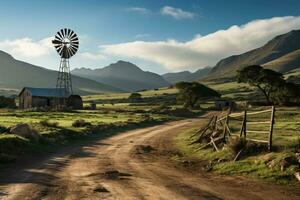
(47,97)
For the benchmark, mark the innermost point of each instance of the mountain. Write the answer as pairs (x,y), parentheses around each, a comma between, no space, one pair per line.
(186,75)
(285,63)
(15,74)
(281,54)
(123,75)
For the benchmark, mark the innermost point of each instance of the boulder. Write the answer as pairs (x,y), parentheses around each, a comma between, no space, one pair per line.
(24,130)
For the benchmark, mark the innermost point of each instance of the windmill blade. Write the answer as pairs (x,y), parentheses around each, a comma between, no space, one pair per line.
(73,51)
(69,32)
(62,33)
(75,42)
(57,38)
(74,37)
(72,34)
(59,34)
(74,47)
(55,41)
(59,51)
(65,32)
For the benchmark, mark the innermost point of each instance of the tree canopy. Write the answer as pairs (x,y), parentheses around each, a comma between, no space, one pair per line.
(271,83)
(191,92)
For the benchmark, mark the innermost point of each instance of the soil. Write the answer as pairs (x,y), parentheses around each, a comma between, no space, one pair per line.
(131,165)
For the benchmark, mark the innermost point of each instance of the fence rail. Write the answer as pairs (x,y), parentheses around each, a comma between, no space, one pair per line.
(244,131)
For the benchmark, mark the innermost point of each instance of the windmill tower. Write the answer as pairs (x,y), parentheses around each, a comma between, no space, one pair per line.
(66,44)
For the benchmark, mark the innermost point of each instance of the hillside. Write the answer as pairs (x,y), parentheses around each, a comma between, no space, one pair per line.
(123,75)
(186,75)
(285,63)
(278,48)
(15,74)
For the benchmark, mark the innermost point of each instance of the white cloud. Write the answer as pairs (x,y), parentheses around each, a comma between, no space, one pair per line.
(177,13)
(27,47)
(139,10)
(206,50)
(92,56)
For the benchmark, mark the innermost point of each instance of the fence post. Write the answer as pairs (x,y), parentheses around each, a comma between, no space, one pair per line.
(226,123)
(271,128)
(245,123)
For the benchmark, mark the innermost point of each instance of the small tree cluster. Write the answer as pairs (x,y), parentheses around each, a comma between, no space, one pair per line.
(273,86)
(191,92)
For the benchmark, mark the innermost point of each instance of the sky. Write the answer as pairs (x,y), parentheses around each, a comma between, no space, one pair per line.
(157,35)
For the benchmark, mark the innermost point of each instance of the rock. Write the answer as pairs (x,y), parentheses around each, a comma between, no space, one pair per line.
(272,164)
(113,174)
(101,189)
(297,175)
(24,130)
(288,161)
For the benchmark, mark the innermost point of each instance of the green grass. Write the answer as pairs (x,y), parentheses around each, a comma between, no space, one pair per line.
(145,94)
(286,137)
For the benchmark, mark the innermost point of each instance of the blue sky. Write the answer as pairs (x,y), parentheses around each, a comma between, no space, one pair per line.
(158,36)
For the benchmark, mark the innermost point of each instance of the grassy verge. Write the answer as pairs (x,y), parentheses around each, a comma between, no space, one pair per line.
(260,165)
(57,129)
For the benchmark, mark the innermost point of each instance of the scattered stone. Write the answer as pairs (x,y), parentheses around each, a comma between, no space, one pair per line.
(24,130)
(288,161)
(272,164)
(144,149)
(101,189)
(113,174)
(297,175)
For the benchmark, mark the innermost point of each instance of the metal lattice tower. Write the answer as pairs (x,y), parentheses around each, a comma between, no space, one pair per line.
(64,79)
(66,44)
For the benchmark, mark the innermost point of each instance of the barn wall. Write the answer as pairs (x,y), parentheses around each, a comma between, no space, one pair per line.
(25,100)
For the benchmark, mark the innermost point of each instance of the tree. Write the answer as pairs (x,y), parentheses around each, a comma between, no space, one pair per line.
(287,93)
(191,92)
(266,80)
(134,97)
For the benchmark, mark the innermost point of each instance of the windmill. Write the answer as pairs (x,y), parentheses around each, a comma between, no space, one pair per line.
(66,44)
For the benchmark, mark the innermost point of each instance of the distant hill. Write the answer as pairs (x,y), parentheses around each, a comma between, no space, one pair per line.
(186,75)
(281,53)
(285,63)
(293,76)
(15,74)
(123,75)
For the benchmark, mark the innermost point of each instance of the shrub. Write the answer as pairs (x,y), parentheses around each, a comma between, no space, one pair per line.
(46,123)
(237,144)
(80,123)
(3,129)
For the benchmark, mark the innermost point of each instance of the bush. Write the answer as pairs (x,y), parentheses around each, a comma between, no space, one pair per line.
(46,123)
(6,102)
(3,129)
(237,144)
(80,123)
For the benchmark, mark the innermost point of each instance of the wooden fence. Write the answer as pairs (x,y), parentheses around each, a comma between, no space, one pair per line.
(225,122)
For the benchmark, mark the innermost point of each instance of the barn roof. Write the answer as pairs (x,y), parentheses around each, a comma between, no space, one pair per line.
(46,92)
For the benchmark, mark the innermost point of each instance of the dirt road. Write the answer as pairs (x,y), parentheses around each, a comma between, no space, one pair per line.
(128,166)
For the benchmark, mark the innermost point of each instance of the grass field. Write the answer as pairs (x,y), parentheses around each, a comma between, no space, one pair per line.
(286,141)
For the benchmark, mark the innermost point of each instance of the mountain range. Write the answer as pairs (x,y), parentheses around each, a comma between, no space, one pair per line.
(282,54)
(15,74)
(123,75)
(186,75)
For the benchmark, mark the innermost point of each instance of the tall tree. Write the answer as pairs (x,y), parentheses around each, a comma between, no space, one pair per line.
(266,80)
(191,92)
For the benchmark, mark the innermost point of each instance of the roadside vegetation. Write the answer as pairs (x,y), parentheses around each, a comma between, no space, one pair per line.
(246,157)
